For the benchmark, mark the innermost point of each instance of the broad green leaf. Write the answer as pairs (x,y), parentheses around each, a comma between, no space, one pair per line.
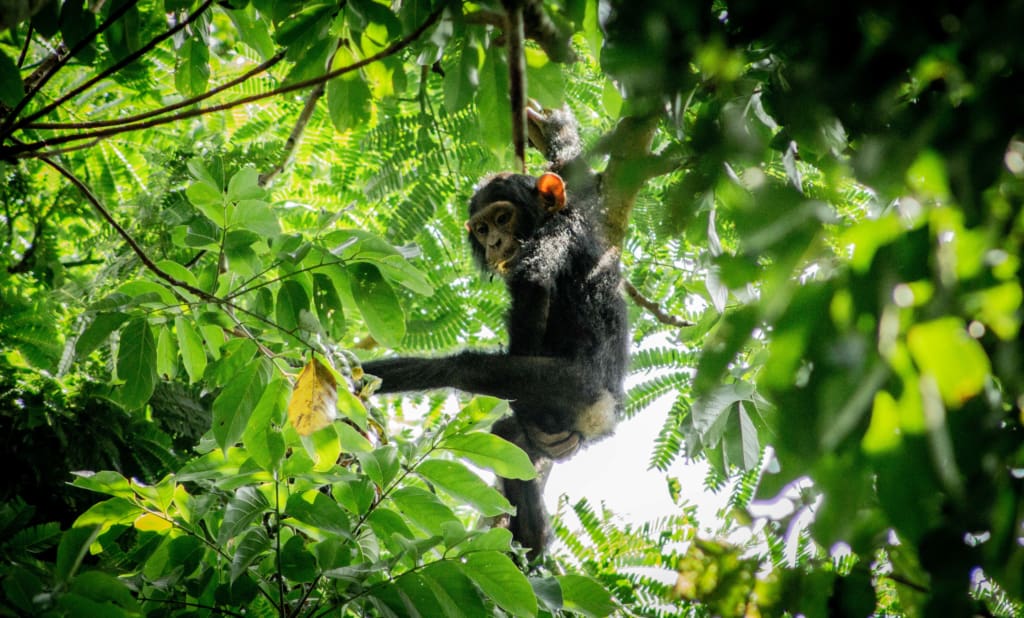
(166,354)
(244,185)
(352,441)
(459,596)
(262,435)
(378,304)
(97,332)
(105,482)
(492,102)
(502,581)
(251,548)
(136,363)
(348,96)
(489,451)
(328,306)
(457,480)
(76,23)
(234,405)
(200,172)
(944,350)
(318,510)
(72,549)
(178,271)
(386,523)
(291,299)
(245,507)
(298,563)
(11,87)
(495,539)
(424,509)
(192,75)
(381,464)
(544,79)
(209,200)
(461,83)
(256,216)
(193,352)
(586,596)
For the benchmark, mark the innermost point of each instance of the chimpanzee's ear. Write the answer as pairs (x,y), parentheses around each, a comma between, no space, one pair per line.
(552,191)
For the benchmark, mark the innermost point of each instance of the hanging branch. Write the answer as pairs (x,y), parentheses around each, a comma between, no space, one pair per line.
(26,150)
(130,58)
(516,77)
(293,138)
(659,314)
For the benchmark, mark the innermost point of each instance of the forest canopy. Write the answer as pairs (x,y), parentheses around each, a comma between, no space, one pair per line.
(208,206)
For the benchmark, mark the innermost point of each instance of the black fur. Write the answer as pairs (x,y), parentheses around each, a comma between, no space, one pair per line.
(568,337)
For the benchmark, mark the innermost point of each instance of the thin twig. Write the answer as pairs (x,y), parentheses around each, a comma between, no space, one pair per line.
(659,314)
(95,124)
(115,15)
(130,58)
(293,139)
(21,150)
(24,48)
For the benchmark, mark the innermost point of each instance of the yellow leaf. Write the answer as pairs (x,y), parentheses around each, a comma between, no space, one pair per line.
(314,403)
(152,523)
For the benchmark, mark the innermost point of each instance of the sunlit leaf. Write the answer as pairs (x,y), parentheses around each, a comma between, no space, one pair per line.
(501,580)
(943,349)
(136,363)
(489,451)
(378,304)
(457,480)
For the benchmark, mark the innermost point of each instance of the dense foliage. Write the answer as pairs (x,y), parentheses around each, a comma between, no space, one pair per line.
(819,211)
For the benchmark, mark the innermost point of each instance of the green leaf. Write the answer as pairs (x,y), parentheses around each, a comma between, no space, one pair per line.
(460,84)
(502,581)
(492,102)
(107,589)
(136,364)
(378,304)
(97,332)
(320,511)
(291,301)
(348,103)
(245,185)
(328,306)
(235,404)
(586,596)
(256,216)
(76,23)
(424,509)
(381,465)
(489,451)
(71,551)
(192,75)
(166,354)
(105,482)
(459,596)
(544,79)
(209,200)
(456,479)
(262,436)
(11,87)
(944,350)
(351,440)
(297,563)
(246,506)
(193,352)
(253,545)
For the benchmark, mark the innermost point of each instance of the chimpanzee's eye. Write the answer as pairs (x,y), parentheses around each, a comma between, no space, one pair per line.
(503,218)
(481,230)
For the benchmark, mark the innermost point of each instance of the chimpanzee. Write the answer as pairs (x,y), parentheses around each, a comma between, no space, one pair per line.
(568,334)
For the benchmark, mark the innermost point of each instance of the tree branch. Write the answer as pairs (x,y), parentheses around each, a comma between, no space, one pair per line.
(270,62)
(25,150)
(130,58)
(628,145)
(659,314)
(115,15)
(293,139)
